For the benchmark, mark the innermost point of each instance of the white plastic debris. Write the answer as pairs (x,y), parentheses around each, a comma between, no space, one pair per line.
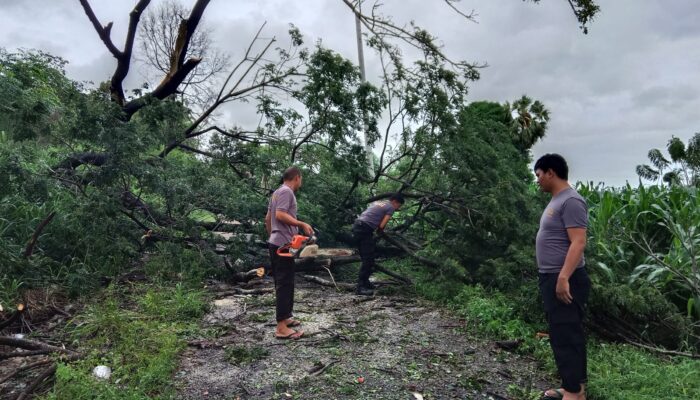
(102,372)
(18,336)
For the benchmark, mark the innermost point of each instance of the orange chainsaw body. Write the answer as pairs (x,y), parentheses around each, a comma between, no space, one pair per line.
(294,247)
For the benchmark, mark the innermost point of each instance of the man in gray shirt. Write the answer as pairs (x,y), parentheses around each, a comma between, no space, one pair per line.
(563,281)
(281,223)
(375,217)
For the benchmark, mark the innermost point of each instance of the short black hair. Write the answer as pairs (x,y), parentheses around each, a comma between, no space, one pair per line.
(397,197)
(555,162)
(291,173)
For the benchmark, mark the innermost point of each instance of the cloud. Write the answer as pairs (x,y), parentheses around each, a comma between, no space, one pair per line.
(624,88)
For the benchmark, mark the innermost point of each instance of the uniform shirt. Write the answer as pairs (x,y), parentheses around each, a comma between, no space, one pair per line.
(282,199)
(374,214)
(566,210)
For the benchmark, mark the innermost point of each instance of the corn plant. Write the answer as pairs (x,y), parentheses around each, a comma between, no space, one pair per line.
(676,268)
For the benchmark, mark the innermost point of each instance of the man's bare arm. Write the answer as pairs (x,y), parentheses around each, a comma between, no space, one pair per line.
(385,221)
(577,237)
(268,222)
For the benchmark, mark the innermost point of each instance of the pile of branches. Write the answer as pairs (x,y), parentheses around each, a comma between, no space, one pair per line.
(28,364)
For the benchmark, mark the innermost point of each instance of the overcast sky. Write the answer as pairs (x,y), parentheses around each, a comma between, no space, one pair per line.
(626,87)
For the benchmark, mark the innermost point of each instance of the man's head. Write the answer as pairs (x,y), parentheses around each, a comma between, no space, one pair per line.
(292,178)
(552,172)
(397,200)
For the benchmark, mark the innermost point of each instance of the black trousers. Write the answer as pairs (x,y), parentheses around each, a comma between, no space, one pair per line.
(283,274)
(566,335)
(363,235)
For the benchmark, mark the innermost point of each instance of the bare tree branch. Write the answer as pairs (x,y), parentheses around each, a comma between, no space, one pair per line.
(124,56)
(37,232)
(103,32)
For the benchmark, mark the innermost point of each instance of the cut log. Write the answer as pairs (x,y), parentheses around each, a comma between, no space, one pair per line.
(339,285)
(247,276)
(328,262)
(244,291)
(14,317)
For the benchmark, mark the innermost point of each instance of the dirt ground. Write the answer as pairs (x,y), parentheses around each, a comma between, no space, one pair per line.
(387,346)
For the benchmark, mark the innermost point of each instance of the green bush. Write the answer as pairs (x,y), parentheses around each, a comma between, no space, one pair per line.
(139,334)
(626,373)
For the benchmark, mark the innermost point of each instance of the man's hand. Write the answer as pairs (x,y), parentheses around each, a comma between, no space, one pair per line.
(563,293)
(308,230)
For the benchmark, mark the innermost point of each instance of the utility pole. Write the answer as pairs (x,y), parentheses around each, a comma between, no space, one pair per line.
(361,61)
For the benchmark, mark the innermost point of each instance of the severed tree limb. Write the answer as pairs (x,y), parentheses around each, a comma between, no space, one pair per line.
(165,88)
(410,252)
(393,274)
(36,348)
(386,195)
(324,282)
(29,344)
(321,368)
(48,372)
(23,368)
(245,276)
(663,351)
(29,353)
(14,317)
(244,292)
(32,242)
(89,158)
(134,203)
(187,29)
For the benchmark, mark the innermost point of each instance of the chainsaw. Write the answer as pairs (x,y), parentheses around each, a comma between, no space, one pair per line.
(298,244)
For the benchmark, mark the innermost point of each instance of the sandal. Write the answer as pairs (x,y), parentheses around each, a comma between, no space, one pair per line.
(559,395)
(293,323)
(292,336)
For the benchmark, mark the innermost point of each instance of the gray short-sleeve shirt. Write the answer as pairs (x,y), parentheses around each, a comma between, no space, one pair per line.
(566,210)
(283,199)
(374,214)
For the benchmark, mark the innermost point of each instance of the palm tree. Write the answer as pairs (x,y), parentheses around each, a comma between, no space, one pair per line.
(684,163)
(529,121)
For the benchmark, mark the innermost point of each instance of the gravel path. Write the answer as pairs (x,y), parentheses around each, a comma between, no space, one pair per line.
(382,347)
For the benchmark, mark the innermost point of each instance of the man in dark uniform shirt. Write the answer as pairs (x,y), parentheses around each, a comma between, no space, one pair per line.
(375,217)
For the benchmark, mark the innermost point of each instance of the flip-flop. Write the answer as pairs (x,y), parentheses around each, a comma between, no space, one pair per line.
(547,397)
(292,336)
(293,323)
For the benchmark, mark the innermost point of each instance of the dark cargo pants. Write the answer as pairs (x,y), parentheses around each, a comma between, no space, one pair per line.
(566,335)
